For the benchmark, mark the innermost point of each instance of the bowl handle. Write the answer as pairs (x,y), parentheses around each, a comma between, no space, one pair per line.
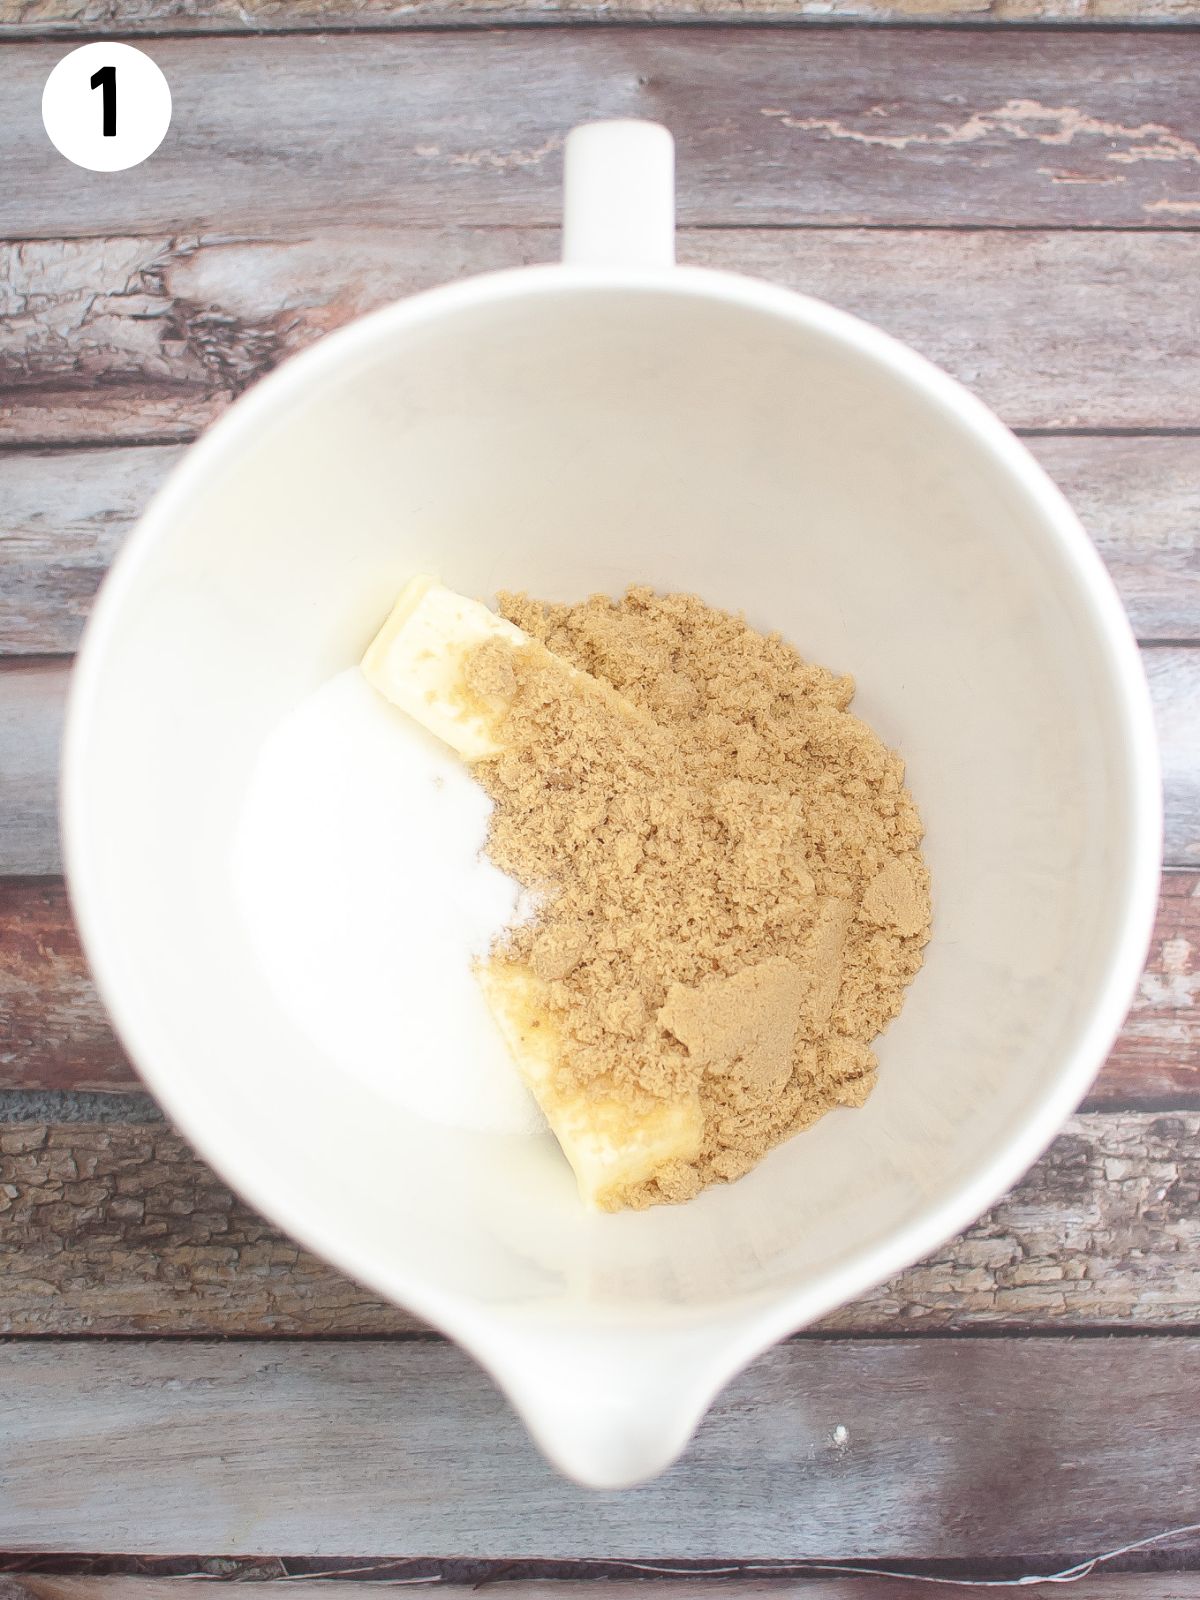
(619,195)
(612,1407)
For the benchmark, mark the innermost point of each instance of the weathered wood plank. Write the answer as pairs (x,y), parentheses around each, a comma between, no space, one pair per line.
(1157,1056)
(32,696)
(62,518)
(53,1030)
(54,1033)
(32,18)
(104,414)
(63,515)
(119,1229)
(1139,499)
(31,706)
(823,125)
(914,1449)
(148,338)
(1174,677)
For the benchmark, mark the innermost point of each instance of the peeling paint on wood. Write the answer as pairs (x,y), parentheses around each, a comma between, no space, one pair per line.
(1057,127)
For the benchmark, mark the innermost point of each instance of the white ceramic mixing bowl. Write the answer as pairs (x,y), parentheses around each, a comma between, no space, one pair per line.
(565,429)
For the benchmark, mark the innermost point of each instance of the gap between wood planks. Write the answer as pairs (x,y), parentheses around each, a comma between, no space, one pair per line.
(798,228)
(611,20)
(1172,17)
(175,1578)
(167,19)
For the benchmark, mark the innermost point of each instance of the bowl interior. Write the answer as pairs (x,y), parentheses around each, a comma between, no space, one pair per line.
(565,438)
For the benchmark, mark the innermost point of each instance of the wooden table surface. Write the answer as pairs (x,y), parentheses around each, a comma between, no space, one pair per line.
(1011,185)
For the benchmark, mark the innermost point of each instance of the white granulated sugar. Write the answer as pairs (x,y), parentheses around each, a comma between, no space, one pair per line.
(360,875)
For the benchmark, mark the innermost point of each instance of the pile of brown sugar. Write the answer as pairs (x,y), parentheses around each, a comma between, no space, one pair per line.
(733,896)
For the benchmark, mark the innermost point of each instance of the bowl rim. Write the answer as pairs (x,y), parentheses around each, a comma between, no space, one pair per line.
(758,1321)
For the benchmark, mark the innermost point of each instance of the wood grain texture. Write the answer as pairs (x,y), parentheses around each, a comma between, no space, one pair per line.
(1140,501)
(1157,1056)
(1174,677)
(149,338)
(54,1034)
(63,515)
(31,708)
(681,1586)
(53,1030)
(119,1229)
(32,696)
(977,1448)
(31,18)
(773,126)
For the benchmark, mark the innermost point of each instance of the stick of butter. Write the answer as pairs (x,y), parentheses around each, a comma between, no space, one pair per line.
(417,661)
(611,1147)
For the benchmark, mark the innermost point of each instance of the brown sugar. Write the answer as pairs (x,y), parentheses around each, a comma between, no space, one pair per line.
(732,897)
